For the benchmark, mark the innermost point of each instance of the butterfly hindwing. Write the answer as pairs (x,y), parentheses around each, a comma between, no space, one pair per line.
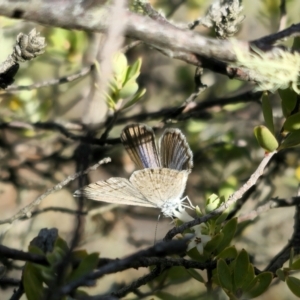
(160,185)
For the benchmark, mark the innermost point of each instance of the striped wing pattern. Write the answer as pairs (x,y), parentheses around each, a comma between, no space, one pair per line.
(139,142)
(175,152)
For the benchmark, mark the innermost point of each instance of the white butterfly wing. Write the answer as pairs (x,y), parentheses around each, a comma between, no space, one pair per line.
(114,190)
(175,152)
(139,142)
(160,185)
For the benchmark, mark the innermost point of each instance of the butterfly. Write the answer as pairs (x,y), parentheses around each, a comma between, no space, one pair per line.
(163,173)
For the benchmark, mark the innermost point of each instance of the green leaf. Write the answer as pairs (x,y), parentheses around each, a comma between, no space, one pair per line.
(267,112)
(110,102)
(120,66)
(79,254)
(212,203)
(195,255)
(265,138)
(241,267)
(195,275)
(56,256)
(228,233)
(281,274)
(61,244)
(213,243)
(294,285)
(87,265)
(224,275)
(248,283)
(129,89)
(291,140)
(262,282)
(296,265)
(48,276)
(35,250)
(222,217)
(32,282)
(178,274)
(288,101)
(134,71)
(228,253)
(164,296)
(292,123)
(135,98)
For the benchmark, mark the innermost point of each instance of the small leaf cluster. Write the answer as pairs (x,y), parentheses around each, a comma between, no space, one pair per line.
(124,90)
(237,278)
(221,233)
(38,279)
(233,273)
(284,275)
(290,133)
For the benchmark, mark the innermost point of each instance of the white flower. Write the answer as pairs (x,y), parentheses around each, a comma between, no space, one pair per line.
(182,215)
(199,240)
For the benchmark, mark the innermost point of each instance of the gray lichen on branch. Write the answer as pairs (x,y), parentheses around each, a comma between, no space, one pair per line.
(26,48)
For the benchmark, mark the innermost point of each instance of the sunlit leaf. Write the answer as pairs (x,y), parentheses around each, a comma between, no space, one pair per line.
(292,123)
(288,101)
(291,140)
(265,138)
(267,112)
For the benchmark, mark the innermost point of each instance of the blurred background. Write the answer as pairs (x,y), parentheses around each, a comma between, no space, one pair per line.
(226,153)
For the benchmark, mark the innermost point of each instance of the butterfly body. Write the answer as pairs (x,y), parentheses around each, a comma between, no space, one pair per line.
(162,179)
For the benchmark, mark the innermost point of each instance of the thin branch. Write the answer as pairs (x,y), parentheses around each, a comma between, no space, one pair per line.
(18,293)
(284,255)
(157,34)
(23,256)
(273,203)
(74,16)
(160,249)
(56,209)
(292,31)
(130,46)
(141,281)
(200,107)
(232,199)
(64,129)
(187,105)
(6,281)
(26,211)
(84,71)
(187,113)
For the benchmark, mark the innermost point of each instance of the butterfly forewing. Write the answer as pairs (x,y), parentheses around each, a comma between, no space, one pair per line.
(139,142)
(114,190)
(175,153)
(160,185)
